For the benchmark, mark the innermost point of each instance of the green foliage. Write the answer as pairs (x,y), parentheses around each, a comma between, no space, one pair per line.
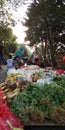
(56,93)
(5,15)
(6,33)
(8,38)
(60,81)
(11,48)
(45,22)
(1,3)
(54,12)
(44,99)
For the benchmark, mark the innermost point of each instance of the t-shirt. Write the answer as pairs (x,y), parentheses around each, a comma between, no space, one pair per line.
(9,63)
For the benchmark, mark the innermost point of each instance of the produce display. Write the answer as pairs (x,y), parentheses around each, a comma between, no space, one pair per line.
(36,76)
(12,87)
(30,73)
(36,95)
(38,104)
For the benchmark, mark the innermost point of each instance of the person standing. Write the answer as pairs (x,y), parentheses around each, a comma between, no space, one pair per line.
(1,54)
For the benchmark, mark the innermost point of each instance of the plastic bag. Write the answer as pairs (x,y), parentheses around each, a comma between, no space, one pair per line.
(14,120)
(59,71)
(2,97)
(3,125)
(6,114)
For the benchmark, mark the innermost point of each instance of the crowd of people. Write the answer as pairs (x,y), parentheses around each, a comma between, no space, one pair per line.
(18,62)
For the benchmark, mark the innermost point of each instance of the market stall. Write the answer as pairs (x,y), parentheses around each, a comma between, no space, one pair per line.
(36,95)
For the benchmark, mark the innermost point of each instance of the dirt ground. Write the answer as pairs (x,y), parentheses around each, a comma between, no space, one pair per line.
(3,73)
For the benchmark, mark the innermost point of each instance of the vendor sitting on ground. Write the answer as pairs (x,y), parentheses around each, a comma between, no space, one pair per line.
(9,61)
(17,63)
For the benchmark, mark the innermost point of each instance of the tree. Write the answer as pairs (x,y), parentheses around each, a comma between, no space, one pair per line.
(45,19)
(48,23)
(8,38)
(5,15)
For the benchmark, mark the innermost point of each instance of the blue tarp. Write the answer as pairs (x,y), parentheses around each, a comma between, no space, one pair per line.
(19,52)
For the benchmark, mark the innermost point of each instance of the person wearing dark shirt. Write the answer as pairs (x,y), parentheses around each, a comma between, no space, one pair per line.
(1,54)
(17,63)
(37,62)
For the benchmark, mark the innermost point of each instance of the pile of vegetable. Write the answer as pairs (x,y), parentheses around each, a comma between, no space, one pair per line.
(38,104)
(11,87)
(36,76)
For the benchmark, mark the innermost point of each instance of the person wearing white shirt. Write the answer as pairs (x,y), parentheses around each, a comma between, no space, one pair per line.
(9,62)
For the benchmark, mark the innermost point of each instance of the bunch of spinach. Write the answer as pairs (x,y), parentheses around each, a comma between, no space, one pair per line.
(36,98)
(60,81)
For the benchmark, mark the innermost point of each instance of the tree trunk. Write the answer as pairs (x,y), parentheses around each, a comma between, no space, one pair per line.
(54,63)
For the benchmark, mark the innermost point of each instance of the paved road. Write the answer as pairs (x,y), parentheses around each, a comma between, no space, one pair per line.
(3,73)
